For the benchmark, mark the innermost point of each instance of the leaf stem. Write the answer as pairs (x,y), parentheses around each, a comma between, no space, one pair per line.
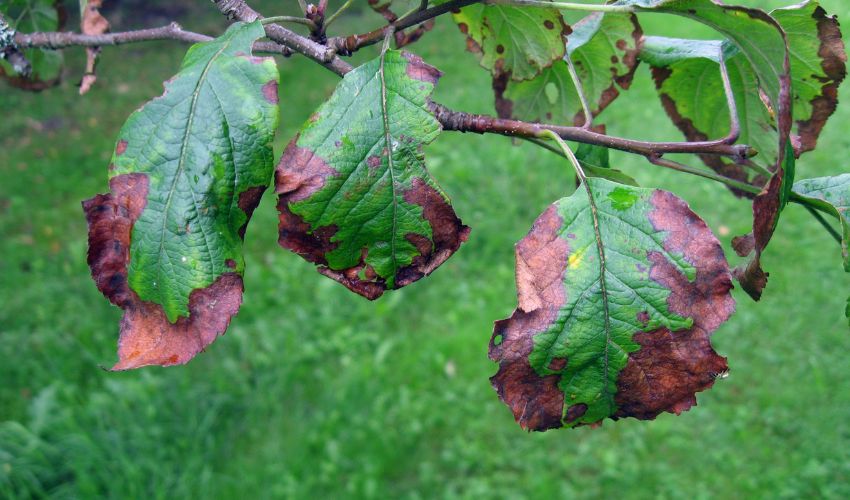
(288,19)
(600,246)
(818,217)
(563,5)
(567,153)
(679,167)
(588,116)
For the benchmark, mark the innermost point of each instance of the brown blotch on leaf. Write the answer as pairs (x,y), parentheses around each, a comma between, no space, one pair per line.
(670,367)
(420,70)
(500,49)
(575,412)
(536,402)
(146,335)
(121,147)
(447,233)
(270,91)
(248,201)
(549,24)
(230,263)
(373,161)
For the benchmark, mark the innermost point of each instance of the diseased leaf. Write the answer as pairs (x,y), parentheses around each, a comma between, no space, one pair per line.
(188,170)
(355,197)
(614,323)
(762,41)
(514,42)
(28,16)
(603,48)
(818,66)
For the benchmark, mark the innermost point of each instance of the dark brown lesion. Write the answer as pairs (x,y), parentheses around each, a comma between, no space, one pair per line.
(146,335)
(670,367)
(536,401)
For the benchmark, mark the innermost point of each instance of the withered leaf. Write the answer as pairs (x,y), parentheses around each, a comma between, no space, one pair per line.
(615,325)
(91,23)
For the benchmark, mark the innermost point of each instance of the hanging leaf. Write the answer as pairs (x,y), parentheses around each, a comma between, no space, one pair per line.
(355,197)
(514,42)
(188,170)
(603,49)
(818,66)
(618,295)
(27,16)
(762,41)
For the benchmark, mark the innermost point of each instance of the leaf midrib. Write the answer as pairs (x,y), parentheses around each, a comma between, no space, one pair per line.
(183,147)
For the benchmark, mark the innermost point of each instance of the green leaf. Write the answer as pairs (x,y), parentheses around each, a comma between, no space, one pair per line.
(817,67)
(514,42)
(603,49)
(188,170)
(618,293)
(832,195)
(355,197)
(27,16)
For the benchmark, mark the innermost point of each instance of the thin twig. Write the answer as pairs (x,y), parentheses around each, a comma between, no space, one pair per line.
(734,125)
(831,230)
(289,19)
(563,5)
(350,44)
(673,165)
(336,14)
(173,31)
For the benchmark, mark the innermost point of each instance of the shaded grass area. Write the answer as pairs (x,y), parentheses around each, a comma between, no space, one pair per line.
(317,392)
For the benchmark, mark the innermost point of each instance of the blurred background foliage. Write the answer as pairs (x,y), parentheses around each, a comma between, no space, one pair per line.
(315,392)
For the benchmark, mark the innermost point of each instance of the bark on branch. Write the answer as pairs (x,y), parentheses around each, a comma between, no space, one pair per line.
(286,40)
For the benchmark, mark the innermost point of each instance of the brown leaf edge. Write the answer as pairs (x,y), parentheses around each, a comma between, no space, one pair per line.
(504,106)
(92,23)
(667,370)
(833,63)
(300,174)
(146,336)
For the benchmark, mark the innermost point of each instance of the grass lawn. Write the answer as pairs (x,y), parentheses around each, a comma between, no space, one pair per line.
(316,392)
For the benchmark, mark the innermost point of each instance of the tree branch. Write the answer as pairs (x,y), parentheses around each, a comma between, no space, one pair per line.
(450,119)
(351,43)
(10,50)
(173,31)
